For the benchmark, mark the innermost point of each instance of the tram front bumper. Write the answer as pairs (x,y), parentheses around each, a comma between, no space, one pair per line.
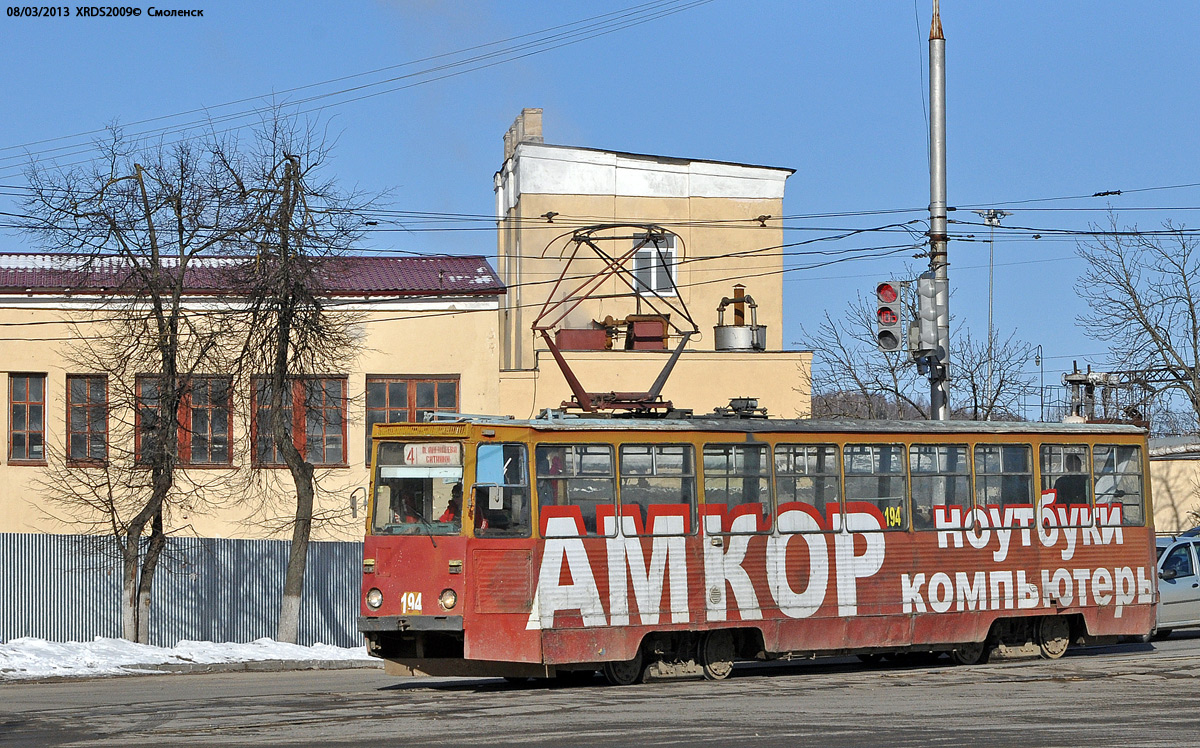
(446,624)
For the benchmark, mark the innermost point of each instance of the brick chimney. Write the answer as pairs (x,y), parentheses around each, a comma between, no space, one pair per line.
(527,128)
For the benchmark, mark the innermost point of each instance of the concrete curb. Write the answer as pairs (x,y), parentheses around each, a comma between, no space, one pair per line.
(259,666)
(190,668)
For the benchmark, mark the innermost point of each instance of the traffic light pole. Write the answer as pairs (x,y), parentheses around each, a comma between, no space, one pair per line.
(939,385)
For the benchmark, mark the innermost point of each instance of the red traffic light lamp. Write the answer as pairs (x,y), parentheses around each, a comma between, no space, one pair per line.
(887,317)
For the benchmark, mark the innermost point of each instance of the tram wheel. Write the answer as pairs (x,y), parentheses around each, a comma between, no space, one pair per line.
(624,673)
(1053,636)
(971,653)
(716,654)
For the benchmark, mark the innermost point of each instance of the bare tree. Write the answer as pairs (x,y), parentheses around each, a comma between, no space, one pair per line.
(136,222)
(851,378)
(974,396)
(295,337)
(1143,289)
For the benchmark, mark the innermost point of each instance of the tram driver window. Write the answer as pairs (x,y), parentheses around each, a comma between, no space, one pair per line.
(739,477)
(941,477)
(876,475)
(418,489)
(501,492)
(580,478)
(1119,480)
(658,487)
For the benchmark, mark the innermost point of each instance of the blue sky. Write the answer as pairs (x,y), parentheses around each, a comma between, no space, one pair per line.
(1045,100)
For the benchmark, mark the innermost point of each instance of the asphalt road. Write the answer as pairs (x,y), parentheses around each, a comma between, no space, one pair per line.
(1128,695)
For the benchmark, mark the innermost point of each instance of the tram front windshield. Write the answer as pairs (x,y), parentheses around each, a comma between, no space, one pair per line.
(418,489)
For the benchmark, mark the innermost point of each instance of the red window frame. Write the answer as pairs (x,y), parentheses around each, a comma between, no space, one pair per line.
(408,409)
(30,405)
(80,419)
(332,424)
(188,427)
(185,423)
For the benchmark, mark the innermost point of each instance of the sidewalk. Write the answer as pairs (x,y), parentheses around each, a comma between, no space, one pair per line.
(29,659)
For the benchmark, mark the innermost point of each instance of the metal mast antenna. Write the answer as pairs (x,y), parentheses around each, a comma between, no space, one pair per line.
(939,385)
(991,217)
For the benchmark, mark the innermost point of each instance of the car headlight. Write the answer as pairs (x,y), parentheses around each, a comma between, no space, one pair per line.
(448,599)
(374,599)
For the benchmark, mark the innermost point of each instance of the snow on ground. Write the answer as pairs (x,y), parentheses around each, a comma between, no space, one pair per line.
(28,658)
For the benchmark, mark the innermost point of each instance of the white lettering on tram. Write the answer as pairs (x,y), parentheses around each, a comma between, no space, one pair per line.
(567,581)
(851,566)
(723,565)
(564,546)
(1074,525)
(626,562)
(999,590)
(798,526)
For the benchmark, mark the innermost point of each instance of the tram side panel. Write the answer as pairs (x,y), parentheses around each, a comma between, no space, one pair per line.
(827,590)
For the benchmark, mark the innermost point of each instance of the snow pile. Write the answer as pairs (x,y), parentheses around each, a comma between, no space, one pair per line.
(28,658)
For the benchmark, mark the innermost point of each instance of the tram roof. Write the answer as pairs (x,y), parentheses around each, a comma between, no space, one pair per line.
(798,425)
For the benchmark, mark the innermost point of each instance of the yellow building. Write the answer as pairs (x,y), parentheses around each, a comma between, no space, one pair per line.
(721,225)
(1175,481)
(437,333)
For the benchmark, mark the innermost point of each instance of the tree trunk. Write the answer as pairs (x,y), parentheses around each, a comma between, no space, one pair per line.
(154,548)
(129,601)
(293,582)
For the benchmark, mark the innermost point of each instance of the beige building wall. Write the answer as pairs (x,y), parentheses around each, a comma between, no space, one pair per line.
(399,339)
(1175,489)
(727,220)
(701,381)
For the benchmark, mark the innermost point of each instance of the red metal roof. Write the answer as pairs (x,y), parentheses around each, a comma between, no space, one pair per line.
(442,275)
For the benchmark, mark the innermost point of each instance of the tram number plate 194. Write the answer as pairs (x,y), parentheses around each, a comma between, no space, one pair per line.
(410,602)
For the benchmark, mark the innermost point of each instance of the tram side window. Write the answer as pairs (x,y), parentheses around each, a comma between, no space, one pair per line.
(658,487)
(807,473)
(739,476)
(875,474)
(1065,470)
(1003,474)
(1119,480)
(501,492)
(579,476)
(941,476)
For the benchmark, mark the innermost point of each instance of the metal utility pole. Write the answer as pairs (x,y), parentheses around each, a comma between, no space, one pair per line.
(939,385)
(991,217)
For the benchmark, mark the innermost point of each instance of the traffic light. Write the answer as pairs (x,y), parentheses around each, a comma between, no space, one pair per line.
(887,316)
(926,339)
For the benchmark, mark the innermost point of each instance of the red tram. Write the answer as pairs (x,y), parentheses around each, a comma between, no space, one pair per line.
(658,548)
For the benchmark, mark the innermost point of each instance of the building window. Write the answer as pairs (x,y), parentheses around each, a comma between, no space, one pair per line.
(87,419)
(654,263)
(27,418)
(206,439)
(401,399)
(314,416)
(202,424)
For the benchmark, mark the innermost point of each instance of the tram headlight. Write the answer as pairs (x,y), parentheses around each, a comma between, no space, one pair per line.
(448,599)
(374,599)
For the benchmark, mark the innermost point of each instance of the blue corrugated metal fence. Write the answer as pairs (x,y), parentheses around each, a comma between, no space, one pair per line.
(67,587)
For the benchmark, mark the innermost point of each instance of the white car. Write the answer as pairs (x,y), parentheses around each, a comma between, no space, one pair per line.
(1178,583)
